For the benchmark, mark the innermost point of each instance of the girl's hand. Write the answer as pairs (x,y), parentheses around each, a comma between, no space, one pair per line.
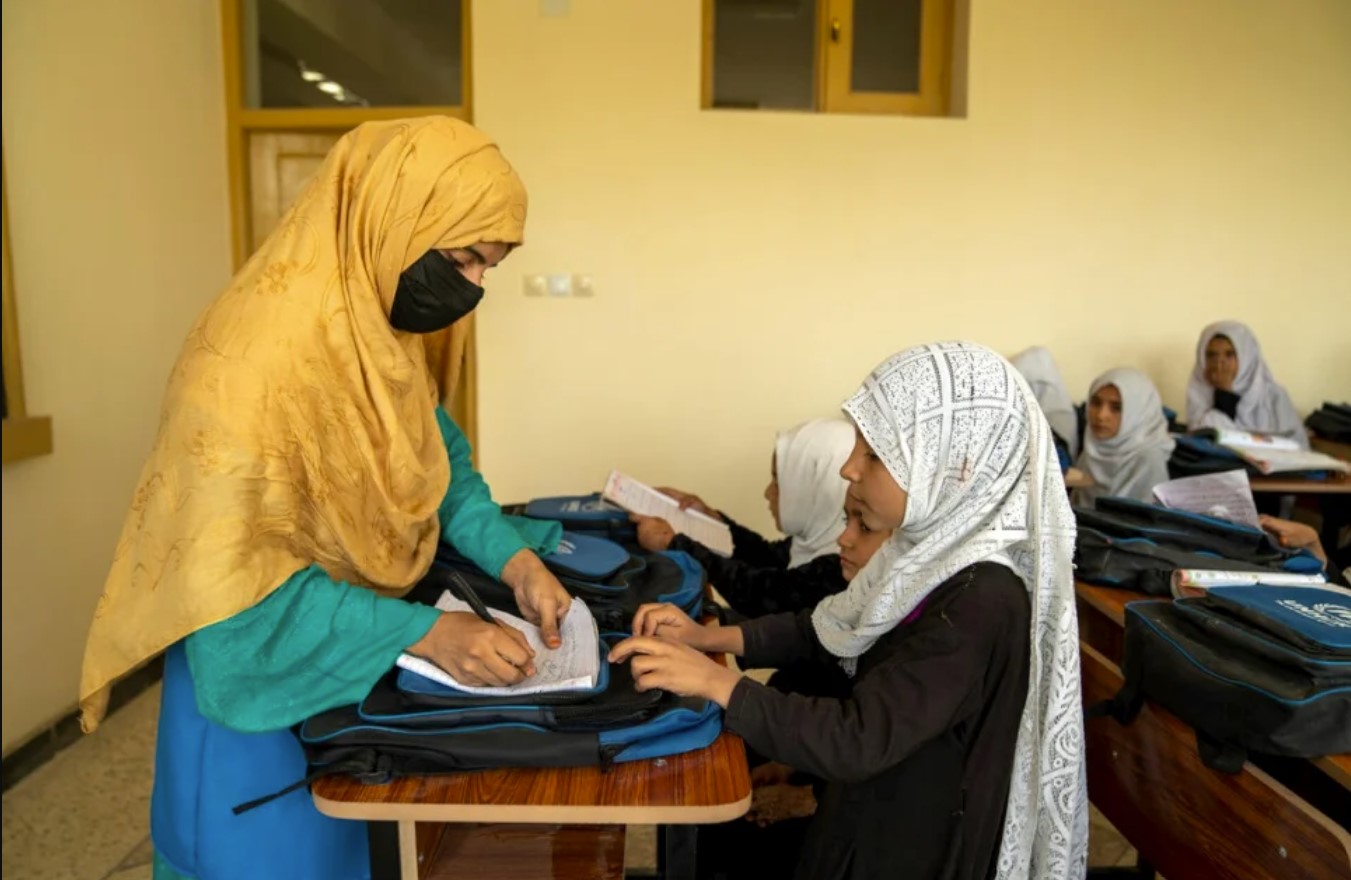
(539,595)
(670,666)
(654,534)
(775,803)
(671,623)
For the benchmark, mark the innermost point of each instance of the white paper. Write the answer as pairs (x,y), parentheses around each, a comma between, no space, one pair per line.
(639,498)
(1188,582)
(1236,440)
(573,666)
(1286,461)
(1225,495)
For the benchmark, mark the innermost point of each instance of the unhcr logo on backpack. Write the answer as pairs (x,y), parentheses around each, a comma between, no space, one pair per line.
(1326,613)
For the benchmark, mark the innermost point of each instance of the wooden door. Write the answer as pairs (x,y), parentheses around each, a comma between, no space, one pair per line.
(280,164)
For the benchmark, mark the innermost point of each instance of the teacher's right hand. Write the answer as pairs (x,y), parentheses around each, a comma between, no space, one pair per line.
(475,652)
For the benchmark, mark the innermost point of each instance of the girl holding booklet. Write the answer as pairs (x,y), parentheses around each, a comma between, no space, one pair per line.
(806,498)
(1232,387)
(957,748)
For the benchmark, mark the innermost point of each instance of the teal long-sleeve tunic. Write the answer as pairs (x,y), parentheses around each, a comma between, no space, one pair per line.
(316,643)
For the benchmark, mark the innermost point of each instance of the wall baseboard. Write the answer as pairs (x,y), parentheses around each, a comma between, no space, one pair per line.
(66,730)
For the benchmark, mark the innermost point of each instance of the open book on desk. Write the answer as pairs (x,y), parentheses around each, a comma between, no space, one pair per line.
(573,666)
(1273,455)
(642,499)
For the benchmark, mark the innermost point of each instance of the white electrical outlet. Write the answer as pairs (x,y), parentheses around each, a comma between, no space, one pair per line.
(560,285)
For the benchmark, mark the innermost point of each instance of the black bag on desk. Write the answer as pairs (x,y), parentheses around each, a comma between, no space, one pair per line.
(1331,422)
(1262,669)
(409,725)
(1128,543)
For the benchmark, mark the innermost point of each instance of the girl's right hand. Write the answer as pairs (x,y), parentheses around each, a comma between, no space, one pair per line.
(688,501)
(475,652)
(671,623)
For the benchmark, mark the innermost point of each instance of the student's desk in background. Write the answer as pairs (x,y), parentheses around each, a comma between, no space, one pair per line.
(1276,820)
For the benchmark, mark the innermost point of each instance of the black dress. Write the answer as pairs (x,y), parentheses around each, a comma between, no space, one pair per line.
(916,758)
(757,581)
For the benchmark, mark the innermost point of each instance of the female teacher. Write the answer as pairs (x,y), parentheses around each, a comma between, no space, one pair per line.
(301,479)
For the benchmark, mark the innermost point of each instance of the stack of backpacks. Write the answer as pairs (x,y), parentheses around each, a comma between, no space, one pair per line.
(411,725)
(1260,668)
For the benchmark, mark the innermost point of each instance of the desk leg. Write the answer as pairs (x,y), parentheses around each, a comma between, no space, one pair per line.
(677,849)
(384,844)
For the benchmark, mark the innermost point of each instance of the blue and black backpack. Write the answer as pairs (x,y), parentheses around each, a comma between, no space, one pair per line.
(1255,668)
(1127,543)
(411,725)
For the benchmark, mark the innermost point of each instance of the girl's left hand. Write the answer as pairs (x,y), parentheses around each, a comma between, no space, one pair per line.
(679,669)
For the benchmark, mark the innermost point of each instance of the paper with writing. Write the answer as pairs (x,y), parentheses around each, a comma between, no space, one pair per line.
(575,665)
(1225,495)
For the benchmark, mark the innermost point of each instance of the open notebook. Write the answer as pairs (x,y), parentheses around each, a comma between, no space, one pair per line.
(573,666)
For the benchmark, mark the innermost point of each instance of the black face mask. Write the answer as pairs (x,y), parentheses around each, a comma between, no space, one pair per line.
(432,294)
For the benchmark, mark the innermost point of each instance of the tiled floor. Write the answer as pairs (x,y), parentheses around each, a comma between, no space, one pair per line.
(85,815)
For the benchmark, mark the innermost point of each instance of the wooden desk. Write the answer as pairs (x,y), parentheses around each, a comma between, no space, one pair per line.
(1335,484)
(710,785)
(1272,819)
(408,816)
(1331,447)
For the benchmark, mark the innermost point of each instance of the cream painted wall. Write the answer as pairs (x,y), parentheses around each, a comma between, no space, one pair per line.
(1129,171)
(114,137)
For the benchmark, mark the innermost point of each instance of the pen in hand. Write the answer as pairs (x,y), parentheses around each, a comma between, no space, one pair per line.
(475,603)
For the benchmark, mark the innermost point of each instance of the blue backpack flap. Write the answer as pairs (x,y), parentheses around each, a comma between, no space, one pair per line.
(584,514)
(1241,687)
(1315,622)
(586,556)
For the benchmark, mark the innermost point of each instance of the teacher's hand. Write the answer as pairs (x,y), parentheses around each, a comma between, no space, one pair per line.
(476,652)
(539,595)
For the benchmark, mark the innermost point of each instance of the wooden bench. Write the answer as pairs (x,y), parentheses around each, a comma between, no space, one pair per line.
(519,852)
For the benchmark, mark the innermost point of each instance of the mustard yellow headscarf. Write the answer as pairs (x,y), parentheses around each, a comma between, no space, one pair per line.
(298,427)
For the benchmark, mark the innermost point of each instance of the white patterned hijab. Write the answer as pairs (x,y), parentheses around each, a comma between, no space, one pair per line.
(960,431)
(807,462)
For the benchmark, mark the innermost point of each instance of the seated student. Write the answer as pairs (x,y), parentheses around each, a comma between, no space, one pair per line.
(1127,445)
(806,498)
(1039,369)
(1232,387)
(957,752)
(782,798)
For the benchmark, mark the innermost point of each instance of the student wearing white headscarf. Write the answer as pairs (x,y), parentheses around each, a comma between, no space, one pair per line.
(1043,376)
(1127,445)
(1232,387)
(806,498)
(958,750)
